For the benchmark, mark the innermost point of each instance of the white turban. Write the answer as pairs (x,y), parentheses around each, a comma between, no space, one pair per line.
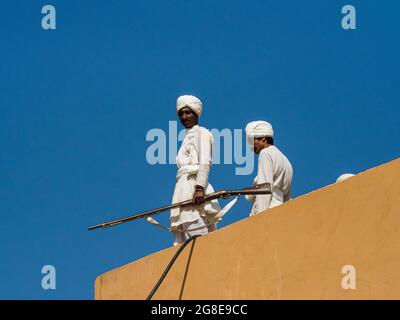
(191,102)
(259,129)
(344,177)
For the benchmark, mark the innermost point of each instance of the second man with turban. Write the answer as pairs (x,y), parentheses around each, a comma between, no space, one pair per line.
(273,167)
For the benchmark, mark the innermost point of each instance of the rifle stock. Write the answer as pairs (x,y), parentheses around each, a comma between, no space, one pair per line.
(263,188)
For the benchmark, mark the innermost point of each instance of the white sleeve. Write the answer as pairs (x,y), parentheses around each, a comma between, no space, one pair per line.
(204,152)
(265,174)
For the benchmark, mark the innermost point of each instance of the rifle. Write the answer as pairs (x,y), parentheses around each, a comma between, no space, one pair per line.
(263,188)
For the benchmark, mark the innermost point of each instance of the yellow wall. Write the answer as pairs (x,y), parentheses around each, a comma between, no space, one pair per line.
(295,251)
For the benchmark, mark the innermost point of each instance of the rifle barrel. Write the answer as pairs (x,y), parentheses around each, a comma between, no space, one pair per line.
(263,188)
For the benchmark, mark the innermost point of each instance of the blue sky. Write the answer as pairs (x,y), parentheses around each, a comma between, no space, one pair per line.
(76,104)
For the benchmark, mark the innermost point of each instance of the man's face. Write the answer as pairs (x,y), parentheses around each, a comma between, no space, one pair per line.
(188,117)
(259,144)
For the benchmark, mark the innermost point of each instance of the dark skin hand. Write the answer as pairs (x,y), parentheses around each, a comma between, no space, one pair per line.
(189,119)
(198,197)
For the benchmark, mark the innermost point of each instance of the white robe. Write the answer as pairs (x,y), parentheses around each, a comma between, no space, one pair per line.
(274,168)
(194,163)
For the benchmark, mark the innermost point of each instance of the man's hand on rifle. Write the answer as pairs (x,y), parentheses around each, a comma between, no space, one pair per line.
(198,197)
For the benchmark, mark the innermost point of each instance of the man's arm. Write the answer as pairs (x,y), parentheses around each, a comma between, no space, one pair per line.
(204,153)
(265,174)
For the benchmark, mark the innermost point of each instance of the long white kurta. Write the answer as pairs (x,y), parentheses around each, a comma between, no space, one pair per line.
(194,163)
(274,168)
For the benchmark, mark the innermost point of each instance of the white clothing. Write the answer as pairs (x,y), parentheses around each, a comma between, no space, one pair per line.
(194,163)
(188,229)
(274,168)
(344,176)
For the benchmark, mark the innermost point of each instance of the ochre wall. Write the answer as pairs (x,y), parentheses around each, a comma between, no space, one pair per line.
(295,251)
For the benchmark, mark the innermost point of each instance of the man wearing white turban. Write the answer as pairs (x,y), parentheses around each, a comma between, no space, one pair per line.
(194,164)
(273,167)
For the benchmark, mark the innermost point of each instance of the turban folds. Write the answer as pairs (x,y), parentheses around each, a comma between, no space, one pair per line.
(191,102)
(259,129)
